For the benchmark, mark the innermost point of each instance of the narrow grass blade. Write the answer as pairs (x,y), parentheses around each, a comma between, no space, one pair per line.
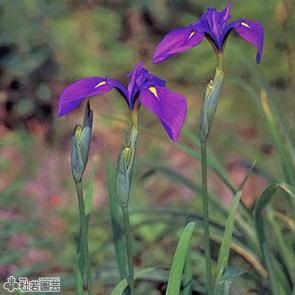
(275,280)
(286,158)
(117,221)
(182,180)
(226,280)
(213,161)
(212,164)
(287,253)
(187,276)
(282,279)
(224,251)
(263,201)
(179,260)
(244,225)
(276,286)
(122,285)
(223,287)
(152,275)
(287,220)
(276,122)
(216,233)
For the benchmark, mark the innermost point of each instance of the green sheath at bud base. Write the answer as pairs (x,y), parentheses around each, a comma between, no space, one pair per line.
(76,159)
(125,167)
(210,102)
(80,145)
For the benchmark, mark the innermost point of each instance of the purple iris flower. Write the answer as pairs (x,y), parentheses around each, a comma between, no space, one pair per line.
(212,25)
(144,88)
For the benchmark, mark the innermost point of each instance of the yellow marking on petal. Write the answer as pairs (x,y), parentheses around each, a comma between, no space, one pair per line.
(153,90)
(245,25)
(191,35)
(100,84)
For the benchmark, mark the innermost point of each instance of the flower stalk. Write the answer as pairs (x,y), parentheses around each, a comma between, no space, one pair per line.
(125,168)
(84,262)
(209,106)
(126,224)
(79,158)
(206,218)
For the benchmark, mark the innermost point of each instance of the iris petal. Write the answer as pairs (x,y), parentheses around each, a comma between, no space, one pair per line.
(250,31)
(74,94)
(177,41)
(170,107)
(225,14)
(136,76)
(140,78)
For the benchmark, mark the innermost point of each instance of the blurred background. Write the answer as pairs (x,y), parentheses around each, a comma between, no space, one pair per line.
(45,45)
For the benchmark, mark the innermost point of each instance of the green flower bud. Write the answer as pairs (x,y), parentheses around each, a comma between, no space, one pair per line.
(209,105)
(125,167)
(86,134)
(80,145)
(123,177)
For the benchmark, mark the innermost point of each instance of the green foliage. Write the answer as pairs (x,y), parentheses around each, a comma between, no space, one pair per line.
(180,260)
(100,29)
(278,283)
(27,32)
(281,140)
(122,285)
(223,256)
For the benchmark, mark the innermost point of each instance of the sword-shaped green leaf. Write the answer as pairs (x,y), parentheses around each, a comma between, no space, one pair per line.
(179,260)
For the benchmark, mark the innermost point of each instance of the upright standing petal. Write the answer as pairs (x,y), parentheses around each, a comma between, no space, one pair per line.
(213,23)
(225,14)
(170,107)
(73,95)
(177,41)
(137,77)
(252,32)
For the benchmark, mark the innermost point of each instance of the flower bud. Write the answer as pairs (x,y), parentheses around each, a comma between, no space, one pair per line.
(125,167)
(86,134)
(123,177)
(80,145)
(209,105)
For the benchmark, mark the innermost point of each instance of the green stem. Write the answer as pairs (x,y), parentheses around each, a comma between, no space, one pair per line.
(220,63)
(83,240)
(206,217)
(129,249)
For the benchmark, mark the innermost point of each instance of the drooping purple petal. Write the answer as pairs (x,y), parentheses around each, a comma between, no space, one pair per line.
(121,88)
(170,107)
(177,41)
(73,95)
(250,31)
